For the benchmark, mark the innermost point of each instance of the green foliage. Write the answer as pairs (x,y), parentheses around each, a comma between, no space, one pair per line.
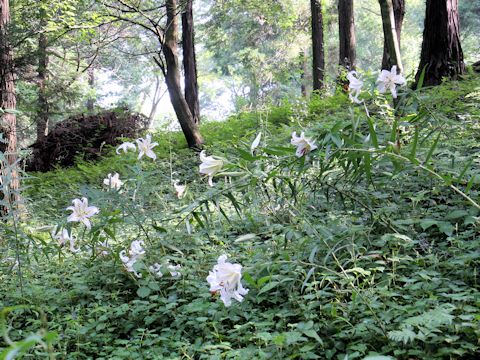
(365,249)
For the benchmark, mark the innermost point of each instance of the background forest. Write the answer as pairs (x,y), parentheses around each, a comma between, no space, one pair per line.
(239,179)
(250,54)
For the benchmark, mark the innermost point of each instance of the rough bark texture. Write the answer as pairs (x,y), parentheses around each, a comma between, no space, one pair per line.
(172,77)
(190,61)
(8,125)
(346,33)
(399,14)
(43,110)
(318,51)
(442,54)
(390,35)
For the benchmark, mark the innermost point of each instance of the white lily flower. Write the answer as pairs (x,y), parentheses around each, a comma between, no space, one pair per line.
(136,252)
(304,145)
(145,147)
(136,248)
(256,142)
(113,181)
(81,212)
(179,189)
(388,80)
(156,269)
(226,279)
(173,269)
(355,86)
(62,237)
(210,166)
(125,147)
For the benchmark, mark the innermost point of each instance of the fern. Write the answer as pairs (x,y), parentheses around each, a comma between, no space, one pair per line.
(405,335)
(428,322)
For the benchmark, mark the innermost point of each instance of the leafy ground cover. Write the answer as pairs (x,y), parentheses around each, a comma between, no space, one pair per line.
(366,247)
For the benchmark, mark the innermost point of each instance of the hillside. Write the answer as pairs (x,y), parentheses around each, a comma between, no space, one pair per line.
(366,246)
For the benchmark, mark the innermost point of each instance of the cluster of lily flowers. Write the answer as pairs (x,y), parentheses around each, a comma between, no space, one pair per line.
(386,81)
(136,253)
(225,277)
(211,166)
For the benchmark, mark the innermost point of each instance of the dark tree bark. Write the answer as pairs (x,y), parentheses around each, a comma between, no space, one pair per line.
(91,85)
(399,14)
(171,72)
(346,33)
(442,54)
(43,109)
(190,61)
(391,43)
(8,102)
(318,51)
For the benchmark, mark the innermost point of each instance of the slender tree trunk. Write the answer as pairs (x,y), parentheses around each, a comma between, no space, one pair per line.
(8,102)
(303,74)
(172,77)
(43,109)
(442,54)
(157,96)
(190,61)
(318,51)
(399,14)
(390,35)
(346,34)
(91,85)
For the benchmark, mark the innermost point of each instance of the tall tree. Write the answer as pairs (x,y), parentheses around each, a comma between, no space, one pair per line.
(171,71)
(399,14)
(442,54)
(43,113)
(318,50)
(91,85)
(303,73)
(390,35)
(190,61)
(151,20)
(346,34)
(8,101)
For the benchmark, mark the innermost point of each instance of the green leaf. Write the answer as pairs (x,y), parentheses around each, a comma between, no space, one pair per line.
(432,149)
(421,77)
(143,292)
(268,287)
(373,133)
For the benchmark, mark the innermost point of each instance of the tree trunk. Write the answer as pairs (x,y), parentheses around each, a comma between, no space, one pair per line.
(91,85)
(157,96)
(346,34)
(442,54)
(8,102)
(390,35)
(43,110)
(399,14)
(190,61)
(317,44)
(172,77)
(303,73)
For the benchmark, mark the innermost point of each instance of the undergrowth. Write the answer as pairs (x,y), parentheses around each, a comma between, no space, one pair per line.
(368,246)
